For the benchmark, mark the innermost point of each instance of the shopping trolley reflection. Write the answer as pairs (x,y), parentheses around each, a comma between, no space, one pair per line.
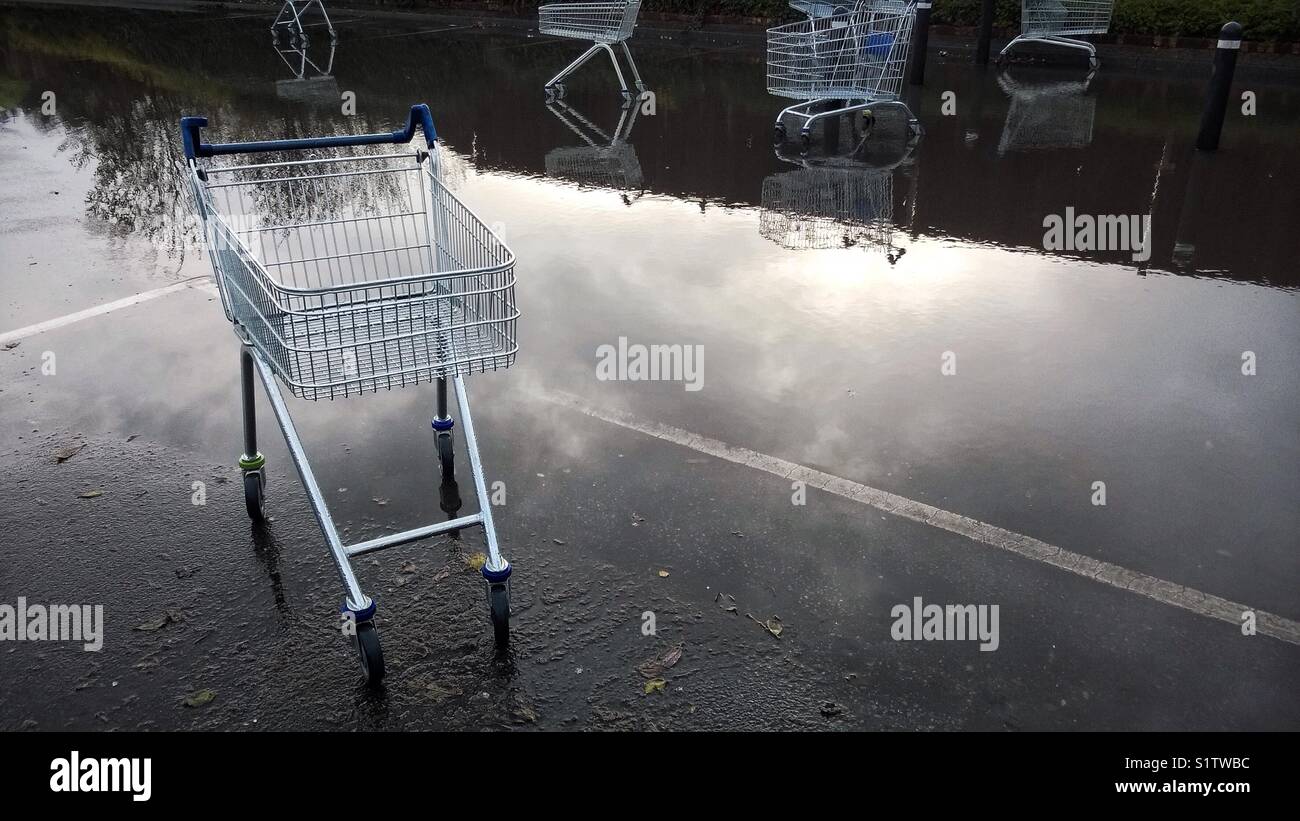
(605,161)
(842,200)
(310,82)
(1044,114)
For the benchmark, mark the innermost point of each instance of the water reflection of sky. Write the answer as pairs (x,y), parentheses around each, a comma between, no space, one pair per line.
(1072,365)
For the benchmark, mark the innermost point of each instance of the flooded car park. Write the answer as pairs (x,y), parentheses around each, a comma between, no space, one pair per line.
(906,394)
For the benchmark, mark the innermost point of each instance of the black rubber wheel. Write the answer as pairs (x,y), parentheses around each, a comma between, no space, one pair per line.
(499,610)
(255,495)
(778,133)
(370,653)
(446,456)
(805,141)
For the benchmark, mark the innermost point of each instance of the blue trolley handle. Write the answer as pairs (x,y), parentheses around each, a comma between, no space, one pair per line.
(194,147)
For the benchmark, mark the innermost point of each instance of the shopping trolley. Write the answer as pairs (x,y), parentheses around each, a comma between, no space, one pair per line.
(317,85)
(602,23)
(607,162)
(854,61)
(1047,115)
(838,201)
(345,273)
(291,16)
(1057,21)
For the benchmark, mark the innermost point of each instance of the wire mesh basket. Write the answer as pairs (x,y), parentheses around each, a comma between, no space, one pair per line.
(350,274)
(1047,115)
(1065,18)
(610,166)
(829,207)
(599,22)
(860,55)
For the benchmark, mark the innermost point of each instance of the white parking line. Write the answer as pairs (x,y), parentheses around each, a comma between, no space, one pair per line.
(1165,592)
(99,310)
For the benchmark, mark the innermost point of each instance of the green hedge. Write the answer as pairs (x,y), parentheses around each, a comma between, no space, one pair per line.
(1262,19)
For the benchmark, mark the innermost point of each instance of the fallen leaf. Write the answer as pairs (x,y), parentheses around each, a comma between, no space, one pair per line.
(409,567)
(663,574)
(437,692)
(774,627)
(442,574)
(726,602)
(524,713)
(90,494)
(655,667)
(158,622)
(379,501)
(200,698)
(559,541)
(655,686)
(64,454)
(476,561)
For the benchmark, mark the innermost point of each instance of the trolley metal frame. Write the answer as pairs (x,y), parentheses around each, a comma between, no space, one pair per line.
(1057,22)
(349,298)
(291,16)
(604,23)
(852,61)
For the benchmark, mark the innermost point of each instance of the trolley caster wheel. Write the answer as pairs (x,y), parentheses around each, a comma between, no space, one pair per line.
(369,652)
(1093,62)
(779,133)
(255,494)
(449,500)
(499,610)
(805,141)
(446,456)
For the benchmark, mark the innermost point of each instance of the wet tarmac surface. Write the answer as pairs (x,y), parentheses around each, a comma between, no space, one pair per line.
(823,339)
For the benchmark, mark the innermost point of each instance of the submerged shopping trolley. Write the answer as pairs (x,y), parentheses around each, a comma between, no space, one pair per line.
(1058,21)
(850,61)
(291,17)
(603,23)
(345,273)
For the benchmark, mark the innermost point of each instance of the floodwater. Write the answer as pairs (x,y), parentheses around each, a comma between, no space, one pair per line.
(878,308)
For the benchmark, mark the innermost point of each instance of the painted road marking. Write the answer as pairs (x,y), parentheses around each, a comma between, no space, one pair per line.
(1165,592)
(100,310)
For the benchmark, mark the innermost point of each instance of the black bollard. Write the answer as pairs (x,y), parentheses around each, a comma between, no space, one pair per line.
(1216,99)
(986,33)
(920,41)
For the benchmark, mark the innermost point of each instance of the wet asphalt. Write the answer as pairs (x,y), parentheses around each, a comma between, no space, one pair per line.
(1081,368)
